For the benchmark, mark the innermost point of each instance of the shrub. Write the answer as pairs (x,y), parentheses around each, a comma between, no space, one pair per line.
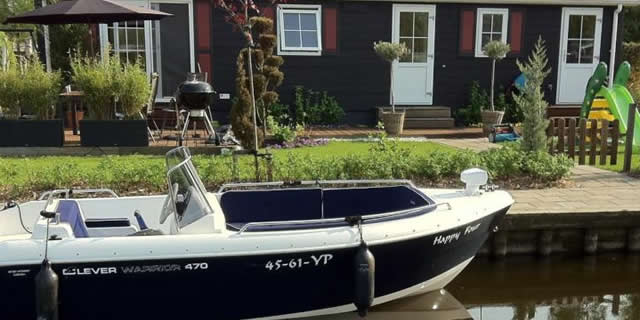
(134,89)
(283,133)
(40,89)
(531,99)
(478,98)
(10,92)
(384,160)
(631,53)
(316,108)
(96,76)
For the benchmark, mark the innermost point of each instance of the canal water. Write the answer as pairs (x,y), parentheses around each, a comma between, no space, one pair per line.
(527,288)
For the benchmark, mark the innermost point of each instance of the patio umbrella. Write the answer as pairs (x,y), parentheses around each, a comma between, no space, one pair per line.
(83,11)
(86,11)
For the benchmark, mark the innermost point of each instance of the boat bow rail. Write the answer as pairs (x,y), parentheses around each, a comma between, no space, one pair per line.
(338,222)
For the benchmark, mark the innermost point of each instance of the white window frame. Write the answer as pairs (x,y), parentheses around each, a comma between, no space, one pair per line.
(299,8)
(104,40)
(505,22)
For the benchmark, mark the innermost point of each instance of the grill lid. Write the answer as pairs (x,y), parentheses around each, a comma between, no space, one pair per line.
(195,86)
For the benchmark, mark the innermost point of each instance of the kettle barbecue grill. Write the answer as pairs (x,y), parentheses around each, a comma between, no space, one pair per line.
(196,96)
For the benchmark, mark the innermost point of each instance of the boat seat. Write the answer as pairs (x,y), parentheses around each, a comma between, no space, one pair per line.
(340,203)
(244,206)
(71,213)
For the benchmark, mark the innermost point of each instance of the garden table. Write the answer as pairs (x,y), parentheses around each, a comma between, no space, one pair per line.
(74,97)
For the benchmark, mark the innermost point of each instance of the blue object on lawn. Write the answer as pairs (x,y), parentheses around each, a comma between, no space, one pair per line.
(501,137)
(520,81)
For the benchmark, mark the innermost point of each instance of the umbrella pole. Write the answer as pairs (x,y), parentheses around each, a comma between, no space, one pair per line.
(47,45)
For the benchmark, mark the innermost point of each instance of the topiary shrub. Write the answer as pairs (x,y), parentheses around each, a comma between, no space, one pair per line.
(266,78)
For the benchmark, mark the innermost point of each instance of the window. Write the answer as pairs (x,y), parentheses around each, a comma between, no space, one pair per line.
(170,54)
(491,25)
(581,38)
(414,31)
(299,30)
(127,39)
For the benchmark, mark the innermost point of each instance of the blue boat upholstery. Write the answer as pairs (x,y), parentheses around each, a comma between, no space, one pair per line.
(70,213)
(244,206)
(365,201)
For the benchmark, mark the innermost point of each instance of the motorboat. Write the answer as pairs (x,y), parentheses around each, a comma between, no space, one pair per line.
(275,250)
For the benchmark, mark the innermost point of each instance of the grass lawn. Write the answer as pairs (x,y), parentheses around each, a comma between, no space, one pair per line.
(343,148)
(635,160)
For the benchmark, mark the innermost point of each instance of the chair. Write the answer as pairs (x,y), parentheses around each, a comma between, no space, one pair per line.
(148,107)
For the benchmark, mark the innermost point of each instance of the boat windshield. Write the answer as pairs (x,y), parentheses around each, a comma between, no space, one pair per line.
(187,193)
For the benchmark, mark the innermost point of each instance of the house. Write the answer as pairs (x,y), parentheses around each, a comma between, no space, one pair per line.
(328,45)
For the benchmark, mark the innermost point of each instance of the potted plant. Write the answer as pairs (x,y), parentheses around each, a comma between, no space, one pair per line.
(27,86)
(390,52)
(109,87)
(496,50)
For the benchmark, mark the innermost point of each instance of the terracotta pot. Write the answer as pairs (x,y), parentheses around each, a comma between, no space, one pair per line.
(393,122)
(489,119)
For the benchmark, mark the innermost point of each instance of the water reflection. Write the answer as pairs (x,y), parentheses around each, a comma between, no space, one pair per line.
(593,288)
(525,288)
(437,305)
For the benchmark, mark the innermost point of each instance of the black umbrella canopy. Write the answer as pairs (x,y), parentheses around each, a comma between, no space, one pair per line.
(86,11)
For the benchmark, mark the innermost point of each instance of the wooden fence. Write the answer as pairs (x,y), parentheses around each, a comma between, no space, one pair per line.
(585,139)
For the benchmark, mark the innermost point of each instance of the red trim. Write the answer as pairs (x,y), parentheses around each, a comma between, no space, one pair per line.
(515,30)
(204,59)
(203,25)
(330,39)
(267,12)
(467,28)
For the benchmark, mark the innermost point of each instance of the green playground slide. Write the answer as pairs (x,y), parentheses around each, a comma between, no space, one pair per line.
(619,99)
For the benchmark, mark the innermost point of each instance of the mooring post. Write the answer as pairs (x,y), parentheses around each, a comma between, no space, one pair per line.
(628,143)
(633,240)
(545,242)
(499,244)
(590,241)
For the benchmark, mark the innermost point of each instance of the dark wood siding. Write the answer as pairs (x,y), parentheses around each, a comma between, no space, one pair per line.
(360,80)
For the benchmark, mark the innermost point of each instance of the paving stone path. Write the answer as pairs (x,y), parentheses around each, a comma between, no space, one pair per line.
(592,189)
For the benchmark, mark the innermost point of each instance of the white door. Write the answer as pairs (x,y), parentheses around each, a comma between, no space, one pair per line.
(579,52)
(414,25)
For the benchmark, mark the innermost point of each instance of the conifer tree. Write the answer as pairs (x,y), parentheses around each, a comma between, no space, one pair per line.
(531,99)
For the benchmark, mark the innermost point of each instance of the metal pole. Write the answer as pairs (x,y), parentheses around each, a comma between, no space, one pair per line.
(47,45)
(628,145)
(253,94)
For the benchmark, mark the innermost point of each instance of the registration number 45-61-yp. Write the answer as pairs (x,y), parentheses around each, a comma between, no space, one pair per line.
(297,263)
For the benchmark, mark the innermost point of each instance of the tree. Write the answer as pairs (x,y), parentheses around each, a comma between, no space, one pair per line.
(496,51)
(531,99)
(255,85)
(631,29)
(390,52)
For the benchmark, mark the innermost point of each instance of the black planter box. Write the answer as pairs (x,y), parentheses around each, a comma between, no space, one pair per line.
(31,133)
(114,133)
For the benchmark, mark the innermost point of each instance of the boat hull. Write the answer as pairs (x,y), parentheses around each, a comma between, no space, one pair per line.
(274,285)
